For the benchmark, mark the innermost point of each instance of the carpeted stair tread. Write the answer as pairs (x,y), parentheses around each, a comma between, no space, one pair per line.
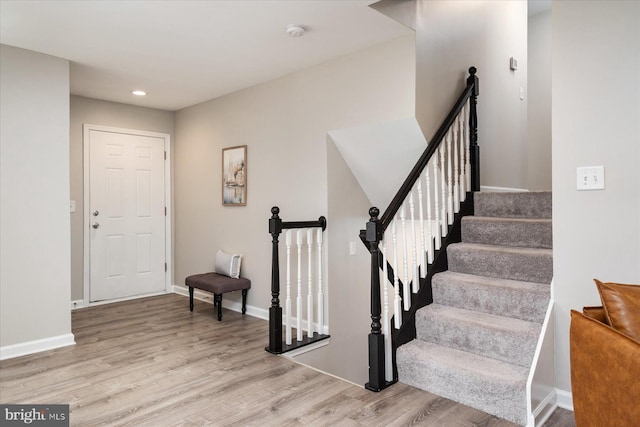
(497,337)
(523,232)
(504,262)
(489,385)
(510,298)
(513,205)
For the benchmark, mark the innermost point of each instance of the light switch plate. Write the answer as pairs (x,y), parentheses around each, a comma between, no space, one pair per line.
(590,178)
(72,206)
(352,248)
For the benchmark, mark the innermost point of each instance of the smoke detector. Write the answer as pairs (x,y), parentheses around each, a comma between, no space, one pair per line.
(295,30)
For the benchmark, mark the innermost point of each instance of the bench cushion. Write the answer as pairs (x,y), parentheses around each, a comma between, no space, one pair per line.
(217,283)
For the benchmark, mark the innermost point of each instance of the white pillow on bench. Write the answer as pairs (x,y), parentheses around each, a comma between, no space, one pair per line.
(228,265)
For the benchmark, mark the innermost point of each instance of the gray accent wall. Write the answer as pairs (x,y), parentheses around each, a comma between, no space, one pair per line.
(34,200)
(539,103)
(451,36)
(596,121)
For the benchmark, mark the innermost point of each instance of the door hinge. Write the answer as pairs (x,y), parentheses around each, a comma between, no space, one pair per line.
(165,211)
(165,267)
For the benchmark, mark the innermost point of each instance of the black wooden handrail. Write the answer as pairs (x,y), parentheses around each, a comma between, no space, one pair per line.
(320,223)
(471,91)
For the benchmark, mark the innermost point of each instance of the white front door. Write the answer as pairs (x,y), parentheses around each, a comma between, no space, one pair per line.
(126,219)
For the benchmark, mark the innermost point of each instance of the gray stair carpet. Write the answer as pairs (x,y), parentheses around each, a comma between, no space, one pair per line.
(523,232)
(510,298)
(475,343)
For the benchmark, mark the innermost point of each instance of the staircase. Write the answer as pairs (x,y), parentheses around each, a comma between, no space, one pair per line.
(475,343)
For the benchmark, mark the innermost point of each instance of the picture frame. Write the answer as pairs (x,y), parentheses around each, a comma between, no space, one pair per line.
(234,176)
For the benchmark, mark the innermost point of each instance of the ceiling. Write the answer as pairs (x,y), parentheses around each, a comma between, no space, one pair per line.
(186,52)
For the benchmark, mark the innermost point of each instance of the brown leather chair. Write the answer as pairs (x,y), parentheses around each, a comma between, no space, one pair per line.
(605,372)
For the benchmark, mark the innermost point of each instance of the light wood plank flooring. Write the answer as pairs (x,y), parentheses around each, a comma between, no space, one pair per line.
(151,362)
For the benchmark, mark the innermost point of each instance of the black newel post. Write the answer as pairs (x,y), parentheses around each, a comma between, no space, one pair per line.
(473,131)
(275,311)
(376,338)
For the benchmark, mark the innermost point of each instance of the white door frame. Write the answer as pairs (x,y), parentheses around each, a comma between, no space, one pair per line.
(86,216)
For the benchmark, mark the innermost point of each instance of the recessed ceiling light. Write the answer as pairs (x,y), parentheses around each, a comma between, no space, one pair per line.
(138,92)
(294,30)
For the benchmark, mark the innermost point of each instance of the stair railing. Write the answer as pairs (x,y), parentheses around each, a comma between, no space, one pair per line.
(436,194)
(306,240)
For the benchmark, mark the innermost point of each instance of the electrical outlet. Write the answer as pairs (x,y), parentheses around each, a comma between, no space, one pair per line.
(590,178)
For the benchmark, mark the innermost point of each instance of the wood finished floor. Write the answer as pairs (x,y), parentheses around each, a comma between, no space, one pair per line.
(150,362)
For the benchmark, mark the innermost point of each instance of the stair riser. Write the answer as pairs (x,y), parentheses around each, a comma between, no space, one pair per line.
(513,205)
(493,231)
(529,305)
(504,399)
(517,265)
(505,345)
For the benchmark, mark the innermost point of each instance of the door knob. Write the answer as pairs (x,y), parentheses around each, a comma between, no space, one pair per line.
(95,225)
(96,213)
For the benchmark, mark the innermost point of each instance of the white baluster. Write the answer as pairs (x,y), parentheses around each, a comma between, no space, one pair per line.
(300,237)
(397,302)
(443,210)
(414,259)
(310,281)
(436,192)
(449,181)
(463,155)
(427,181)
(386,324)
(320,290)
(288,300)
(423,249)
(467,139)
(456,173)
(405,261)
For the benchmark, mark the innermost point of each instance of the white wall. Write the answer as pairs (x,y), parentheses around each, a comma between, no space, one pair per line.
(96,112)
(34,202)
(451,36)
(596,121)
(382,171)
(284,122)
(539,102)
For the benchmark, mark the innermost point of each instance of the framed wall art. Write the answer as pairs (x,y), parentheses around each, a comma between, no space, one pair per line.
(234,176)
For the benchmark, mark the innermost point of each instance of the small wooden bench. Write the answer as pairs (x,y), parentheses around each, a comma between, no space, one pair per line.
(218,285)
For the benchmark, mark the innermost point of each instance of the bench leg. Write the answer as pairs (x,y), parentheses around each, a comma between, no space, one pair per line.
(217,299)
(190,298)
(244,301)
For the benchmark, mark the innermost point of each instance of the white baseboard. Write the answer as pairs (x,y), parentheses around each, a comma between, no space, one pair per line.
(564,399)
(36,346)
(501,189)
(236,306)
